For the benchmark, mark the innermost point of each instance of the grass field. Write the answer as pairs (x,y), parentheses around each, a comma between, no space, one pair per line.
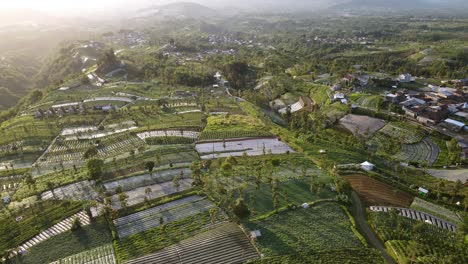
(319,228)
(374,192)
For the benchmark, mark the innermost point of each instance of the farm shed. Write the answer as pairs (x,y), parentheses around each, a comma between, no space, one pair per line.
(454,124)
(367,166)
(422,191)
(255,234)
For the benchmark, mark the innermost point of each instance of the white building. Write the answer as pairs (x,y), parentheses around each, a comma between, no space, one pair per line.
(405,78)
(367,166)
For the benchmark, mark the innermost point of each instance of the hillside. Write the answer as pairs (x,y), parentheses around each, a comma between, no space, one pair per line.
(178,10)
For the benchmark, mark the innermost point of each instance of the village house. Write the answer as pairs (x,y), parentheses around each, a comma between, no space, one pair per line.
(433,115)
(413,102)
(453,125)
(411,111)
(405,78)
(304,103)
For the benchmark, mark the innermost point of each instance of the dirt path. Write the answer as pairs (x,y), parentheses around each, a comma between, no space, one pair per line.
(366,230)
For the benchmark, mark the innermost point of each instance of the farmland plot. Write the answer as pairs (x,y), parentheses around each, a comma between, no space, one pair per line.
(224,244)
(375,192)
(100,255)
(146,179)
(362,125)
(252,147)
(169,212)
(77,191)
(138,195)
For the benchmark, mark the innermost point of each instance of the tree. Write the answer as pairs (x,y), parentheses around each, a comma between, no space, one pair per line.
(176,182)
(312,183)
(76,224)
(213,213)
(150,166)
(123,199)
(240,209)
(90,152)
(440,187)
(456,189)
(95,168)
(30,181)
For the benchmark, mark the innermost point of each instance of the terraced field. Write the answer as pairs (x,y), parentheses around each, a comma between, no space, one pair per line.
(168,212)
(406,134)
(225,244)
(425,150)
(100,255)
(62,151)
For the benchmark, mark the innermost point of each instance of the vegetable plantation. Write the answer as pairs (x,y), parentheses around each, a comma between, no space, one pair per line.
(319,228)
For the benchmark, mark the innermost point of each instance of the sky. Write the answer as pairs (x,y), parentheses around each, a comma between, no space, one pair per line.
(73,6)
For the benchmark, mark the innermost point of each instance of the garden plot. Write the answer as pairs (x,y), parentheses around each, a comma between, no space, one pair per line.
(450,175)
(251,147)
(436,210)
(169,212)
(224,244)
(100,255)
(109,98)
(146,179)
(362,125)
(423,151)
(138,195)
(77,191)
(417,215)
(168,133)
(59,228)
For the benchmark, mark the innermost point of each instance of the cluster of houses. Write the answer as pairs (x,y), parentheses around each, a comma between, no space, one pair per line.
(128,38)
(433,107)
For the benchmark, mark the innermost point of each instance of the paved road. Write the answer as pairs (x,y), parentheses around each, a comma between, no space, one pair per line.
(367,231)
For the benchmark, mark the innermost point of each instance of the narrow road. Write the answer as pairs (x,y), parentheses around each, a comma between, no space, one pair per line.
(367,231)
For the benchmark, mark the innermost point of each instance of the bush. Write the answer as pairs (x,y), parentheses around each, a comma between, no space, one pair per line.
(240,209)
